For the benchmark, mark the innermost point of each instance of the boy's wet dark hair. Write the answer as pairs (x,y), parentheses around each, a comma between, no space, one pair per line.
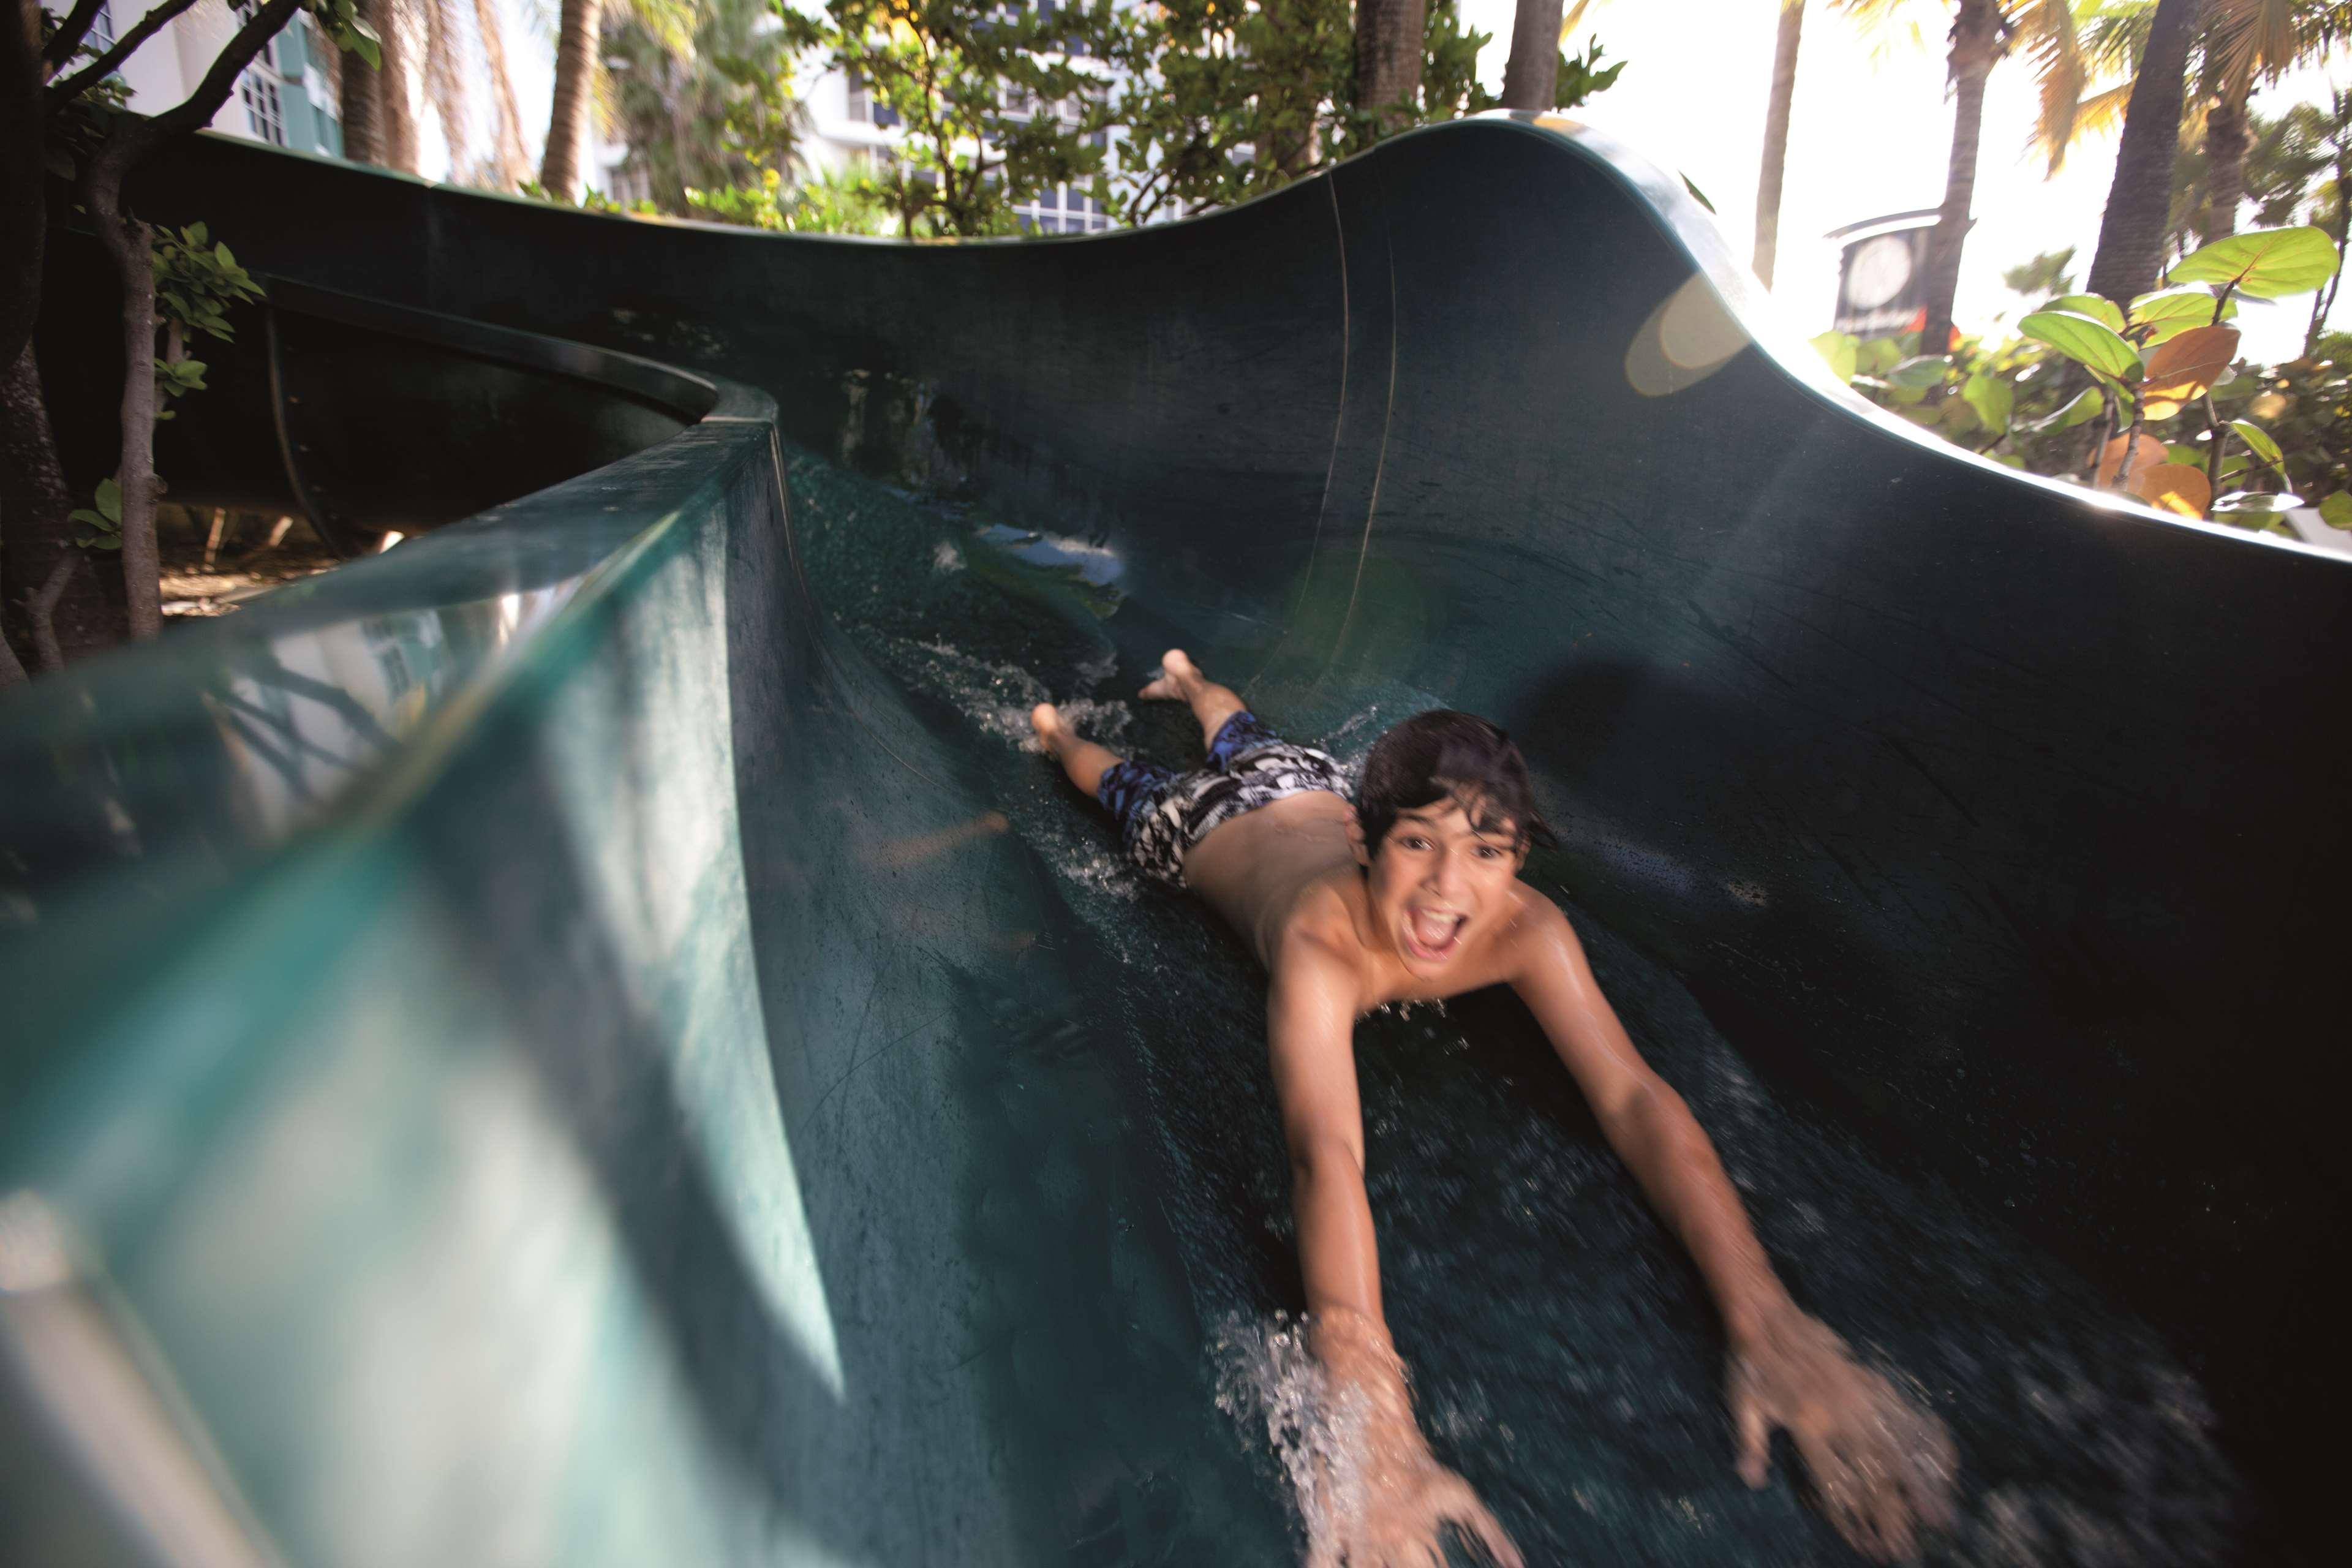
(1442,753)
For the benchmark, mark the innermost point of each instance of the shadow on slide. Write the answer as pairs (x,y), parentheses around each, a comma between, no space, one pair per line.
(588,1038)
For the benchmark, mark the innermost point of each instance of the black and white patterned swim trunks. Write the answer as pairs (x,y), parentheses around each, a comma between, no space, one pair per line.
(1161,814)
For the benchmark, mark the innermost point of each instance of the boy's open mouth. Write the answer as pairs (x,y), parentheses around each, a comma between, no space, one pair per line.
(1430,936)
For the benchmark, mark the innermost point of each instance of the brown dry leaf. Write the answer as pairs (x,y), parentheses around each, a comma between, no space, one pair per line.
(2173,486)
(2186,366)
(2148,455)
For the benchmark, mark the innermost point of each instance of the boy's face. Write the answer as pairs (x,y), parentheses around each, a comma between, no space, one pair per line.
(1437,881)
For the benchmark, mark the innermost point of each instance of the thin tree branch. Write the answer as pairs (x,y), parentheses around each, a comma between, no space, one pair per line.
(70,32)
(63,93)
(197,111)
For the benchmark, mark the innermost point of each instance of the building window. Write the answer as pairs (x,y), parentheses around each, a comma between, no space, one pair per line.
(863,107)
(102,27)
(262,111)
(1060,209)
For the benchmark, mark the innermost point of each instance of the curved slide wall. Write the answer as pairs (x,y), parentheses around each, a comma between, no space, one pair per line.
(2001,825)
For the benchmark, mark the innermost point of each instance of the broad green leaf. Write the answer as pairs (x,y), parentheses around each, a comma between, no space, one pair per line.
(2267,263)
(2257,439)
(2168,312)
(2098,306)
(1838,349)
(221,255)
(198,234)
(2336,512)
(2183,452)
(82,514)
(2087,342)
(2084,408)
(110,500)
(1920,372)
(1957,416)
(1992,396)
(1878,356)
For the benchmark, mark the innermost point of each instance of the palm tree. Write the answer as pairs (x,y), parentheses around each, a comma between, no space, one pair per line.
(576,42)
(1983,32)
(378,126)
(579,66)
(509,161)
(2131,231)
(2243,42)
(1776,135)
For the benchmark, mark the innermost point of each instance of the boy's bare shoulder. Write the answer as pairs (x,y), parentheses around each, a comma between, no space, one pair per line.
(1321,924)
(1537,929)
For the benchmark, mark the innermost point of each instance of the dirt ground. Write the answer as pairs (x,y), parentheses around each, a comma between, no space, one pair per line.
(201,580)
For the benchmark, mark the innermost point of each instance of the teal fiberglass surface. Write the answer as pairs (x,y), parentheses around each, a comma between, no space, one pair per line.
(586,1038)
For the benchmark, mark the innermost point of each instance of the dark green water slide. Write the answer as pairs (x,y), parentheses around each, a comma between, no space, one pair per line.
(587,1039)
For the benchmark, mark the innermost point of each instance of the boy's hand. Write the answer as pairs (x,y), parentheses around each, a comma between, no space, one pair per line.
(1384,1498)
(1400,1521)
(1880,1466)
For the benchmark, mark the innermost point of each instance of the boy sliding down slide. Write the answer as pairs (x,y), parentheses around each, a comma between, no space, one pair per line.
(1414,895)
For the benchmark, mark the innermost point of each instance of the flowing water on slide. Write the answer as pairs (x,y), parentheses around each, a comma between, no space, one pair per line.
(1564,1354)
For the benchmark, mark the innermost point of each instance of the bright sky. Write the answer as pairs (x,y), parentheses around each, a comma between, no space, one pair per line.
(1870,134)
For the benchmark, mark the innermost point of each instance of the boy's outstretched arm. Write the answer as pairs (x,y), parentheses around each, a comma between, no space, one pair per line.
(1879,1466)
(1395,1511)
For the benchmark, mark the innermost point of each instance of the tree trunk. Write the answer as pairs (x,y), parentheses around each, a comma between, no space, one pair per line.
(34,508)
(1974,40)
(128,244)
(567,126)
(1388,44)
(444,88)
(513,162)
(363,96)
(396,94)
(2139,202)
(1776,138)
(1531,77)
(23,198)
(2225,162)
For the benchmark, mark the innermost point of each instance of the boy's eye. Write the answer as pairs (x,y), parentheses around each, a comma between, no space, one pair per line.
(1488,852)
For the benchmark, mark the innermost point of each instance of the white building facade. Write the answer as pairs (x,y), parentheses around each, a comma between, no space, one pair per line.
(851,133)
(286,97)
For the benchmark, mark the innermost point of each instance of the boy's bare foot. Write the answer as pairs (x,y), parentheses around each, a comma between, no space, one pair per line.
(1052,733)
(1178,678)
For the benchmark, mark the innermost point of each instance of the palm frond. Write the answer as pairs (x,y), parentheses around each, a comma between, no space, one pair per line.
(2049,31)
(2246,38)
